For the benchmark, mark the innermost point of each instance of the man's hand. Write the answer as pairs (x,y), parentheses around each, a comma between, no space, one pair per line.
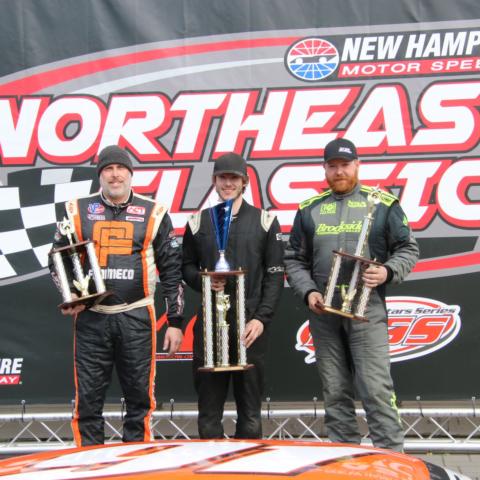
(374,275)
(173,340)
(315,302)
(73,310)
(218,283)
(253,329)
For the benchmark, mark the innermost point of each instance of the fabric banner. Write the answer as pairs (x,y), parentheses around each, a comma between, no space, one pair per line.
(178,83)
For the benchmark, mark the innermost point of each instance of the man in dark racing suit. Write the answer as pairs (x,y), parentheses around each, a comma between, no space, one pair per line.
(134,237)
(351,354)
(254,245)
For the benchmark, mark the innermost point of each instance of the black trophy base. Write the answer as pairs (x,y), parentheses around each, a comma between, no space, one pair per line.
(229,368)
(89,300)
(350,315)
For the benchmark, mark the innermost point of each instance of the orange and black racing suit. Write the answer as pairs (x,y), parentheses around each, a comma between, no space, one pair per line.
(133,240)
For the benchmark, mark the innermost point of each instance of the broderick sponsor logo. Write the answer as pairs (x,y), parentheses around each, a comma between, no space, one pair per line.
(10,371)
(416,327)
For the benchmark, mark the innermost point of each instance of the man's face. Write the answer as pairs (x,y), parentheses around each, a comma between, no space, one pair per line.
(229,186)
(341,175)
(115,180)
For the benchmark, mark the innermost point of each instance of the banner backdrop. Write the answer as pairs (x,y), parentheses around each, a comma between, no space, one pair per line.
(179,83)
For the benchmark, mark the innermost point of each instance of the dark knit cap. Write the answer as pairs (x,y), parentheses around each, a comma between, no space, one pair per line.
(230,163)
(113,154)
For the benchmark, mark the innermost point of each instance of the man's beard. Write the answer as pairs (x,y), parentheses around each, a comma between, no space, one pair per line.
(343,184)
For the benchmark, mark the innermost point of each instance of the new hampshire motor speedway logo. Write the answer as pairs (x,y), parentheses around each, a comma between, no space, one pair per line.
(312,59)
(416,327)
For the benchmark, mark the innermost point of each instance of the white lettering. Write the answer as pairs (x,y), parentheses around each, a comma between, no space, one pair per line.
(17,127)
(237,120)
(137,120)
(441,104)
(415,45)
(379,119)
(82,115)
(10,366)
(194,108)
(452,193)
(305,115)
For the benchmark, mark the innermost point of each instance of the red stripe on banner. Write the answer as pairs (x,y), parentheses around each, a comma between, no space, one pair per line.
(456,261)
(39,81)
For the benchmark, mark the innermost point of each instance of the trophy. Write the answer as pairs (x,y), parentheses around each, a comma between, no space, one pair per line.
(217,359)
(355,295)
(69,259)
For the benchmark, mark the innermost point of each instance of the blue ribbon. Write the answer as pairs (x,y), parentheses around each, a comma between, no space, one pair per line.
(221,216)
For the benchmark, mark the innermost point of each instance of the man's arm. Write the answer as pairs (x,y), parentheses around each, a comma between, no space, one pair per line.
(168,258)
(273,276)
(403,248)
(190,261)
(298,261)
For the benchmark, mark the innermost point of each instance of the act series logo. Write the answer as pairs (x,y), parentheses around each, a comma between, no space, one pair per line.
(417,326)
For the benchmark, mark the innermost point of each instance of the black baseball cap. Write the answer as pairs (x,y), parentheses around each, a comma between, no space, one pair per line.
(230,163)
(113,154)
(340,148)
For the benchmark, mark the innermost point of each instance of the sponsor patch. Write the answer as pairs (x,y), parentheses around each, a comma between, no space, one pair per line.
(92,216)
(136,210)
(328,208)
(130,218)
(324,229)
(355,204)
(95,208)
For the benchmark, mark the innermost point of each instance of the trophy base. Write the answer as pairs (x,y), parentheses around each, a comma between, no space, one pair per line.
(229,368)
(89,300)
(350,315)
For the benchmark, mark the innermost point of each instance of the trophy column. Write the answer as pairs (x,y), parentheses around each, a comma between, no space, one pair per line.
(356,295)
(217,353)
(69,259)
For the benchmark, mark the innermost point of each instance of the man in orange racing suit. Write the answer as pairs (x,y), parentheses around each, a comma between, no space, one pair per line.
(134,237)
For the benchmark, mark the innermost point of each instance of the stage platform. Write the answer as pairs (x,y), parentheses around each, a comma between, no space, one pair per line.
(445,433)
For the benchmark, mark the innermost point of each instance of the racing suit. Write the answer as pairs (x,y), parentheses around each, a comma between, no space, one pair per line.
(254,245)
(350,353)
(132,241)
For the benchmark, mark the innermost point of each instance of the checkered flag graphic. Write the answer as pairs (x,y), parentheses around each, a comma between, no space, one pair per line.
(30,206)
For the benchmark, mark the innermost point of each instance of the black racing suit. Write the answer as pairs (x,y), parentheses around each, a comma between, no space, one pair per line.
(254,245)
(132,241)
(352,355)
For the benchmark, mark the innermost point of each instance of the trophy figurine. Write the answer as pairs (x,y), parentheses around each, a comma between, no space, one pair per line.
(67,261)
(355,295)
(215,319)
